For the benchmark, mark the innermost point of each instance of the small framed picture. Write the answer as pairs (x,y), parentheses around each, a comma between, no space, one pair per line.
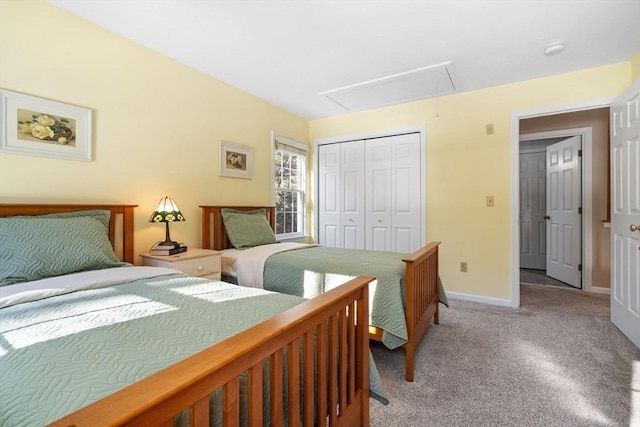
(236,160)
(41,127)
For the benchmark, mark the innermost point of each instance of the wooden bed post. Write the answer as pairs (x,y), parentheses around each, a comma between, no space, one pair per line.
(422,299)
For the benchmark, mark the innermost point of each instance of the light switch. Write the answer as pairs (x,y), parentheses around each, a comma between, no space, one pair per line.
(489,129)
(489,201)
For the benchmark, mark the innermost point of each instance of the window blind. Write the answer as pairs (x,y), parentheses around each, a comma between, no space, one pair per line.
(290,145)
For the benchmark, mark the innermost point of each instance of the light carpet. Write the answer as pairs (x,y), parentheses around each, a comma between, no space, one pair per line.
(491,366)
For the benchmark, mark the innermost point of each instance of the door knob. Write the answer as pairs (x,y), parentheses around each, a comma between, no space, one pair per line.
(547,217)
(634,227)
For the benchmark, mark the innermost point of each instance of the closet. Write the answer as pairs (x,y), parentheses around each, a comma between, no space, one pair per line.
(370,193)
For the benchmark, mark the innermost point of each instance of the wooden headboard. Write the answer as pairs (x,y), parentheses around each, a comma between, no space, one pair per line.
(214,235)
(120,225)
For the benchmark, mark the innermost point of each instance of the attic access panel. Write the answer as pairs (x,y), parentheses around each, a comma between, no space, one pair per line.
(421,83)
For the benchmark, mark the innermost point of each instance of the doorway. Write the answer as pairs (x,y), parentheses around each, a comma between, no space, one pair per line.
(576,118)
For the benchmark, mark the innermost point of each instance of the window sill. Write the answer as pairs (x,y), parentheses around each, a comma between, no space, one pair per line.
(297,239)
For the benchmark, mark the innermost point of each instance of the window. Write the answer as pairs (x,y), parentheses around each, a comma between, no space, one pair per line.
(290,187)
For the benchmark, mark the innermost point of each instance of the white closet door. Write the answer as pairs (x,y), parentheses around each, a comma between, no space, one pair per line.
(329,196)
(353,209)
(406,190)
(378,194)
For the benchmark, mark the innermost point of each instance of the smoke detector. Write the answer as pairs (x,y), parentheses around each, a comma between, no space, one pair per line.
(554,49)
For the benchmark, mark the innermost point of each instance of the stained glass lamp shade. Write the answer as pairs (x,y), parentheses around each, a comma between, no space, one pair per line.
(167,212)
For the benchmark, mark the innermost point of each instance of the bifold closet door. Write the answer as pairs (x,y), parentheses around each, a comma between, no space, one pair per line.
(378,194)
(369,194)
(392,193)
(341,217)
(329,210)
(353,194)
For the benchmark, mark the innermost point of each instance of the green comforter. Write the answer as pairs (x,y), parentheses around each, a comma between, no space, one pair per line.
(310,271)
(62,353)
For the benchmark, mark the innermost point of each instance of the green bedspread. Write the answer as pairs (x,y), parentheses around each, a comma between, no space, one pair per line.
(62,353)
(310,271)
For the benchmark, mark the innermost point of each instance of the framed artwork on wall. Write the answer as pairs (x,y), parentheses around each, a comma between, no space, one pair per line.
(41,127)
(236,160)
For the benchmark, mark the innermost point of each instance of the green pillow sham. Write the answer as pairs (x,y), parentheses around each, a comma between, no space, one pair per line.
(33,248)
(102,215)
(247,229)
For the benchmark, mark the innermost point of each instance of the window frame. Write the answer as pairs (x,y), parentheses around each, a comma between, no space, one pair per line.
(302,190)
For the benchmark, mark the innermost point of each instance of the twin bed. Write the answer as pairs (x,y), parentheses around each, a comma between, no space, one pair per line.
(403,299)
(87,339)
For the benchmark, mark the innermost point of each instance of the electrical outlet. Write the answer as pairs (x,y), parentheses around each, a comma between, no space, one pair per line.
(489,201)
(463,267)
(489,129)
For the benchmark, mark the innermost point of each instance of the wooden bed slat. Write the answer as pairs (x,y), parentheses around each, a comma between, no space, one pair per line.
(199,413)
(231,403)
(293,378)
(421,280)
(255,395)
(309,386)
(277,388)
(321,370)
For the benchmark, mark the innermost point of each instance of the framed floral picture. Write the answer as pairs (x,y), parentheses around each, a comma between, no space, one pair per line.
(41,127)
(236,160)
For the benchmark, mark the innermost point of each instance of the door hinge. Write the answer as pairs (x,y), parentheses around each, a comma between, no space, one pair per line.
(580,210)
(579,153)
(579,267)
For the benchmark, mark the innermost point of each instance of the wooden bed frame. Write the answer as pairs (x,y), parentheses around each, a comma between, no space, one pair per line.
(334,322)
(421,278)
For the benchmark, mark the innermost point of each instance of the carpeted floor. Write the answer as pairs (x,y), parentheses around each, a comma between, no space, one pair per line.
(539,277)
(572,301)
(533,366)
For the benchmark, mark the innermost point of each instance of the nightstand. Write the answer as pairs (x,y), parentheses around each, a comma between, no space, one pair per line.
(195,262)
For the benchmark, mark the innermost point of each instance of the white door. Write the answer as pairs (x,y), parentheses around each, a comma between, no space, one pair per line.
(625,212)
(329,209)
(378,194)
(405,187)
(533,208)
(564,211)
(352,189)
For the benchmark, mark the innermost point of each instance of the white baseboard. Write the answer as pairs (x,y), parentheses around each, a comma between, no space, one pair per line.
(599,290)
(478,298)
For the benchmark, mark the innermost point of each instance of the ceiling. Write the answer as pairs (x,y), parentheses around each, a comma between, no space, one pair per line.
(296,53)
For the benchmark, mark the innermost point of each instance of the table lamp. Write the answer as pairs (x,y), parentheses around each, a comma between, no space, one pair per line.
(167,212)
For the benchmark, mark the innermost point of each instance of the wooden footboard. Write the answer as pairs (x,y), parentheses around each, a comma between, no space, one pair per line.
(331,328)
(421,284)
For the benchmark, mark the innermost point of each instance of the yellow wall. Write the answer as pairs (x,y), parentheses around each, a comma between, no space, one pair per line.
(635,67)
(156,122)
(464,165)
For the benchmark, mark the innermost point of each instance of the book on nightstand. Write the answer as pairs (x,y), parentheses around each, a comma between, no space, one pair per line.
(168,249)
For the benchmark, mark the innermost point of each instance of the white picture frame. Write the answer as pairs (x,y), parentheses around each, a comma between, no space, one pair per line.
(236,160)
(41,127)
